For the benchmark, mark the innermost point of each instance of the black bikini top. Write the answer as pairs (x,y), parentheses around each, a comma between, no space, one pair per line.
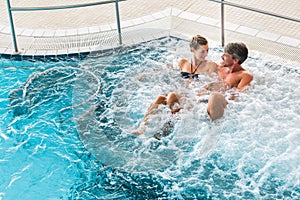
(187,75)
(190,75)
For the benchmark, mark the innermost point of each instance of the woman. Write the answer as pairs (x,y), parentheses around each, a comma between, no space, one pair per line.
(199,64)
(189,70)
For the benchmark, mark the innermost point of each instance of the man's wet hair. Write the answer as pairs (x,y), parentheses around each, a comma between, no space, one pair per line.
(237,50)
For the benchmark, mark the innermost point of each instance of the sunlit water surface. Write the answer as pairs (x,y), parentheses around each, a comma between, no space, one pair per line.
(65,129)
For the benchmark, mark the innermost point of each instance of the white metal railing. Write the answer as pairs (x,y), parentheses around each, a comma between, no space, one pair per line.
(10,9)
(223,2)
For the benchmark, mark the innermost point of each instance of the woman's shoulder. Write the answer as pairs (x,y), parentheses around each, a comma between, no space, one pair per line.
(183,62)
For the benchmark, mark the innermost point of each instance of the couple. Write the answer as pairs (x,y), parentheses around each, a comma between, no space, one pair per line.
(230,73)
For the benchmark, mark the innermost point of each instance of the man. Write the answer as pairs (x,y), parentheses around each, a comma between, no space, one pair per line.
(232,74)
(231,71)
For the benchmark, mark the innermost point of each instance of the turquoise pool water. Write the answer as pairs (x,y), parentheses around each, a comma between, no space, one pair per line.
(65,130)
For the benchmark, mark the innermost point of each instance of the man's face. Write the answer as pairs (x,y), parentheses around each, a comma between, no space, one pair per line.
(228,60)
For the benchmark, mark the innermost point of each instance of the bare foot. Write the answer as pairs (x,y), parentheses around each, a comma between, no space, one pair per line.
(136,132)
(173,111)
(140,77)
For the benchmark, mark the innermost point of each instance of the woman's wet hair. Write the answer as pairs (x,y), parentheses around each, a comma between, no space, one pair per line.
(197,41)
(237,50)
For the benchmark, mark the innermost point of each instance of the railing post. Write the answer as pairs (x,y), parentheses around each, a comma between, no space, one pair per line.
(222,24)
(118,22)
(12,26)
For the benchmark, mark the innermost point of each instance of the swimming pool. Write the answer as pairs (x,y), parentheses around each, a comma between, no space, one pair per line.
(65,130)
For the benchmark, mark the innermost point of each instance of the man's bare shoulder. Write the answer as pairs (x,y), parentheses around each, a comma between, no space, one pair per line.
(212,66)
(247,75)
(212,63)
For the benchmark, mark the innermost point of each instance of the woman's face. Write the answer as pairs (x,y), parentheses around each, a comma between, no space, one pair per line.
(201,52)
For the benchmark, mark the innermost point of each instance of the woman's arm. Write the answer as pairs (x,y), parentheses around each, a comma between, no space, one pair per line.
(182,62)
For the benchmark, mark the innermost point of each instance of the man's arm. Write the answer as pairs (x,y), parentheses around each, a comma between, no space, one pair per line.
(245,80)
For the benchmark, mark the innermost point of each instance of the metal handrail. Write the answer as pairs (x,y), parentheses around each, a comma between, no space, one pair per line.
(222,2)
(62,7)
(12,26)
(10,9)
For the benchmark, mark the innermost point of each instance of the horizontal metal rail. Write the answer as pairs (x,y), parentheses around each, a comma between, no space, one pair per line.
(223,2)
(10,9)
(62,7)
(256,10)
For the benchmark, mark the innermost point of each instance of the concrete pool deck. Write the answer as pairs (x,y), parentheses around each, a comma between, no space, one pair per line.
(89,29)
